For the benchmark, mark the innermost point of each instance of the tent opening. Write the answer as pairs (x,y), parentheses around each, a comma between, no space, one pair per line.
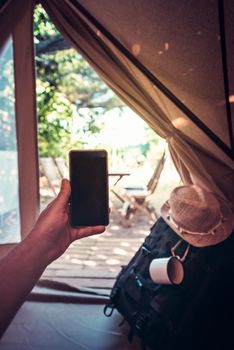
(77,110)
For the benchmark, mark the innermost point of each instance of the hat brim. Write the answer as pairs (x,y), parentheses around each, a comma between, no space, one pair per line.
(201,240)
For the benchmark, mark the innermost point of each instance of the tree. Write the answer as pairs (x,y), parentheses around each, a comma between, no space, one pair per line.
(70,95)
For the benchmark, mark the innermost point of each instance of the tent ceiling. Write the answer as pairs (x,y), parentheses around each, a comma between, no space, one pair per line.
(180,45)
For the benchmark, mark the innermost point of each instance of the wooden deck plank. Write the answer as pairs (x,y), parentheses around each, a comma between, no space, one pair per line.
(98,273)
(96,261)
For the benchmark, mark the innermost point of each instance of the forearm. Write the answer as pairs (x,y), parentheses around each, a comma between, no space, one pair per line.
(50,237)
(19,271)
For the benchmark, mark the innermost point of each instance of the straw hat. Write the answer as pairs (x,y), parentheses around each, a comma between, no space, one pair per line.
(198,216)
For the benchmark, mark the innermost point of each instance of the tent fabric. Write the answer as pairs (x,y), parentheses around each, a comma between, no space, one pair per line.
(229,18)
(143,34)
(70,326)
(180,45)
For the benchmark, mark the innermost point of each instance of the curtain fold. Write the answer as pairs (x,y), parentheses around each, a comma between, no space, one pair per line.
(130,84)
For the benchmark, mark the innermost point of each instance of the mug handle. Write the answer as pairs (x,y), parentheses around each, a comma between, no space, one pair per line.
(173,251)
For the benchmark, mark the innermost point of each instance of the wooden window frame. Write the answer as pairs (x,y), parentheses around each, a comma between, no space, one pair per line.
(26,124)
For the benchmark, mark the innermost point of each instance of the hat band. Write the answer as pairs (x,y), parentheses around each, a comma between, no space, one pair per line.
(210,232)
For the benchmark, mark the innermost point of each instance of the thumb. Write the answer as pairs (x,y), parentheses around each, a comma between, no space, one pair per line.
(64,194)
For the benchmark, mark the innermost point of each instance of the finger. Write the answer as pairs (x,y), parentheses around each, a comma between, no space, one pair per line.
(64,194)
(89,231)
(51,203)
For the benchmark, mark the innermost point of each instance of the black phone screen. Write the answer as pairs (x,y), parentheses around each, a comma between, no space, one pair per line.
(89,203)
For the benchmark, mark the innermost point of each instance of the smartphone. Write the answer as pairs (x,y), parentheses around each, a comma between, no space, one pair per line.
(89,202)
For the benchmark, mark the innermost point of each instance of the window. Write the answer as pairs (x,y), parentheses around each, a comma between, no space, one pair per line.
(9,182)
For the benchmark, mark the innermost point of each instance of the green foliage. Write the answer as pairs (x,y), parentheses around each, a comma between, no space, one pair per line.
(70,95)
(43,27)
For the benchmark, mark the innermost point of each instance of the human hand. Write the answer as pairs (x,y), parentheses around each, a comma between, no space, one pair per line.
(53,227)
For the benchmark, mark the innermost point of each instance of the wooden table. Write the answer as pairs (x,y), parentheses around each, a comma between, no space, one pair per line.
(119,175)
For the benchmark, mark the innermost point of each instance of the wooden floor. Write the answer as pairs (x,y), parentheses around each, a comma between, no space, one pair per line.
(96,261)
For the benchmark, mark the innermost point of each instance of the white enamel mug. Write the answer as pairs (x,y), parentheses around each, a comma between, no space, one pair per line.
(167,270)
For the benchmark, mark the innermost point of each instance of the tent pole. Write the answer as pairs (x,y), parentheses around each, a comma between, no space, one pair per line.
(225,69)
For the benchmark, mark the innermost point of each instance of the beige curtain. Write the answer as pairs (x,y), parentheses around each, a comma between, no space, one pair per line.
(194,163)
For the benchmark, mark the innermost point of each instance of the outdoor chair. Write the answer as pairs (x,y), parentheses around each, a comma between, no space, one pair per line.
(49,169)
(136,200)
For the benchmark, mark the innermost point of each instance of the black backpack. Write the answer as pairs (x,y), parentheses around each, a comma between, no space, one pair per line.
(197,314)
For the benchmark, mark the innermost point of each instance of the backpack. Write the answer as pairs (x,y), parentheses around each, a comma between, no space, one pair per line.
(185,316)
